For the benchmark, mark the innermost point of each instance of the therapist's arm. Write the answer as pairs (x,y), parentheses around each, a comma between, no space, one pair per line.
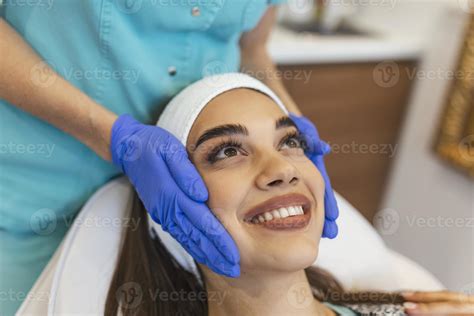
(29,84)
(256,61)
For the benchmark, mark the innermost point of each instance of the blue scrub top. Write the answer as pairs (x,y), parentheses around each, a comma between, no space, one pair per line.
(131,57)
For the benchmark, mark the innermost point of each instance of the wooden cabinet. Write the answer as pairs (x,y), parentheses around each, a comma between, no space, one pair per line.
(360,116)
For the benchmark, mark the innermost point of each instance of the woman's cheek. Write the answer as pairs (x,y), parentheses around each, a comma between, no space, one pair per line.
(313,179)
(223,196)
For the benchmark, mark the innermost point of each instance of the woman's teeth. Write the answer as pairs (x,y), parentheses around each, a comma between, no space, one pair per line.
(282,212)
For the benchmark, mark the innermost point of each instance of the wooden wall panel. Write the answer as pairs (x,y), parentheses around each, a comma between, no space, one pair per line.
(349,105)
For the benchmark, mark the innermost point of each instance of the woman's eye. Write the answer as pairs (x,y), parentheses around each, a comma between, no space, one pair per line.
(293,142)
(227,152)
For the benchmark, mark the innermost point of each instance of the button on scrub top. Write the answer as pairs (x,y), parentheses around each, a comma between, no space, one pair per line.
(129,56)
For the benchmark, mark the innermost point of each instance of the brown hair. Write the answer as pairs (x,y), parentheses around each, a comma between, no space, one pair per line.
(147,276)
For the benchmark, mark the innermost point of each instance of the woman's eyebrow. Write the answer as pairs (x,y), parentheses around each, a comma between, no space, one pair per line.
(238,129)
(284,121)
(222,130)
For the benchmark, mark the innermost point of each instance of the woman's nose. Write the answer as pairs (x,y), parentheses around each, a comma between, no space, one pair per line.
(277,173)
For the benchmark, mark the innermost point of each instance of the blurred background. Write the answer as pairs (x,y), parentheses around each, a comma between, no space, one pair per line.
(389,84)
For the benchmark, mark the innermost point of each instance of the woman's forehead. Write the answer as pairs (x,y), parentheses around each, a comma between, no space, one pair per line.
(237,106)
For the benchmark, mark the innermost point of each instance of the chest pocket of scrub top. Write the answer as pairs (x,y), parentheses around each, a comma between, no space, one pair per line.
(238,16)
(171,15)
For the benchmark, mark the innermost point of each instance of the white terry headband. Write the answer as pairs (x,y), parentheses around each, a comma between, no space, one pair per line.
(178,118)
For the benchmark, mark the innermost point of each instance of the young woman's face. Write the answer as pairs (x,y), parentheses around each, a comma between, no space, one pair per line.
(262,160)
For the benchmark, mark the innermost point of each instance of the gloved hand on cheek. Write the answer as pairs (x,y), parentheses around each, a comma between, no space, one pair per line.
(316,151)
(173,192)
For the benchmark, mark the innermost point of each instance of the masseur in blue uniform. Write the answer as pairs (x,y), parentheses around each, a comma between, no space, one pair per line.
(69,71)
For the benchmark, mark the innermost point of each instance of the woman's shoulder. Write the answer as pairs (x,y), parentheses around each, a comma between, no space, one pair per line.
(367,309)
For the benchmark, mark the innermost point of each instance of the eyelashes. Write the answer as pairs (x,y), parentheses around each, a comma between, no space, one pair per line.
(212,156)
(301,141)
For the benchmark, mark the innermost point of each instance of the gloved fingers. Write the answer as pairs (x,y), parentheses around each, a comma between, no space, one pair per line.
(330,204)
(186,242)
(330,229)
(214,259)
(201,217)
(306,128)
(315,146)
(315,151)
(185,173)
(321,148)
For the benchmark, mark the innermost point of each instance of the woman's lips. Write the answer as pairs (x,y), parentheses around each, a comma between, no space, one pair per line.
(288,223)
(281,204)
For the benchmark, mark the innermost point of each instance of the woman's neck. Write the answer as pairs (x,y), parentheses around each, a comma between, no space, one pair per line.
(269,293)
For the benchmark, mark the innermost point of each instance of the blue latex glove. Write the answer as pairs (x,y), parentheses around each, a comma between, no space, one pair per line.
(315,152)
(173,192)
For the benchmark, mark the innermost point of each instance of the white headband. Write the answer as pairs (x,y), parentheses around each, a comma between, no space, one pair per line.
(178,118)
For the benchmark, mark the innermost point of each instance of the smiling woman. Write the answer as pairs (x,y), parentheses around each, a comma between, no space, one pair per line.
(267,194)
(272,204)
(256,170)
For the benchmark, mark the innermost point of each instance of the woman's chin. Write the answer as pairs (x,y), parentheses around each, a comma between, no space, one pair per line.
(287,258)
